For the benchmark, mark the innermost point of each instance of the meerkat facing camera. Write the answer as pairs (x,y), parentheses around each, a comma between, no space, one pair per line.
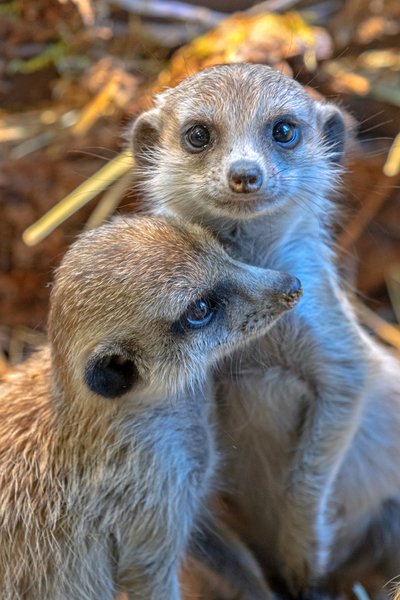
(245,151)
(107,450)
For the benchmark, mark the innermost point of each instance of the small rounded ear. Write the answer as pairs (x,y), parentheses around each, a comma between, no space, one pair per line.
(145,135)
(333,130)
(110,374)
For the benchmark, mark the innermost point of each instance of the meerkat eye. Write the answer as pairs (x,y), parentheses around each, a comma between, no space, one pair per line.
(199,314)
(197,137)
(285,133)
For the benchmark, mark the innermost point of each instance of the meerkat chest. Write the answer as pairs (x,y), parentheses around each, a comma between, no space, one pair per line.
(281,357)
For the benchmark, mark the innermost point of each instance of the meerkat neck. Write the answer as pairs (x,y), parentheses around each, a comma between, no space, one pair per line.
(262,239)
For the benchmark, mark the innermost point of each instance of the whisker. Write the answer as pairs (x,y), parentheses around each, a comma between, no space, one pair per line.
(373,116)
(373,127)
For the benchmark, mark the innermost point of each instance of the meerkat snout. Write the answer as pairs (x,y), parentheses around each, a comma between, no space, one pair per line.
(289,292)
(275,287)
(245,177)
(295,289)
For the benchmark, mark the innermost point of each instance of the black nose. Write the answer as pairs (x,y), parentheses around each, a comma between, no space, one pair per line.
(244,177)
(289,291)
(294,289)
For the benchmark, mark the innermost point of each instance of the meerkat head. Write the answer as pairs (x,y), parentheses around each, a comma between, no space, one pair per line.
(237,141)
(146,305)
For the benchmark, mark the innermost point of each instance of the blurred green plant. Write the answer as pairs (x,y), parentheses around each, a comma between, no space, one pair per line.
(10,9)
(52,55)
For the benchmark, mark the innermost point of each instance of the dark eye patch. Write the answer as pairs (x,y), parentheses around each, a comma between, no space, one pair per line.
(196,137)
(203,311)
(285,133)
(198,315)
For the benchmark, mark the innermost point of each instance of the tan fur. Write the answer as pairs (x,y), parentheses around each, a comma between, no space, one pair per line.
(107,450)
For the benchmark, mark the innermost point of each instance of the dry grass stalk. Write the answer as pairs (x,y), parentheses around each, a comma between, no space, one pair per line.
(390,334)
(371,206)
(90,188)
(109,202)
(392,164)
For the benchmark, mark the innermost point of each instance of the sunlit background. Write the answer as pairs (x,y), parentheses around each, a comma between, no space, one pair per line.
(74,73)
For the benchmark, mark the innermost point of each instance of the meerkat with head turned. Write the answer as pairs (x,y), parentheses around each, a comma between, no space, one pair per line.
(107,450)
(311,416)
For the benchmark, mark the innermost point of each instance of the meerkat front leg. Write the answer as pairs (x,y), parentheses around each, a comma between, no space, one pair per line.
(153,586)
(148,564)
(216,546)
(339,380)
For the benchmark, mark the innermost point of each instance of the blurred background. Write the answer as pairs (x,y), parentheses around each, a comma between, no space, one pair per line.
(73,73)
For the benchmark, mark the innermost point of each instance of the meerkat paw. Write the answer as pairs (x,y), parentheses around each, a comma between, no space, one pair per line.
(296,555)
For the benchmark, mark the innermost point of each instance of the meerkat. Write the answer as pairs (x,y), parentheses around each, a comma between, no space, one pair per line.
(310,415)
(107,449)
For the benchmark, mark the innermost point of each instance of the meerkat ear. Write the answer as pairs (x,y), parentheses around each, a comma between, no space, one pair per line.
(145,134)
(111,372)
(333,130)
